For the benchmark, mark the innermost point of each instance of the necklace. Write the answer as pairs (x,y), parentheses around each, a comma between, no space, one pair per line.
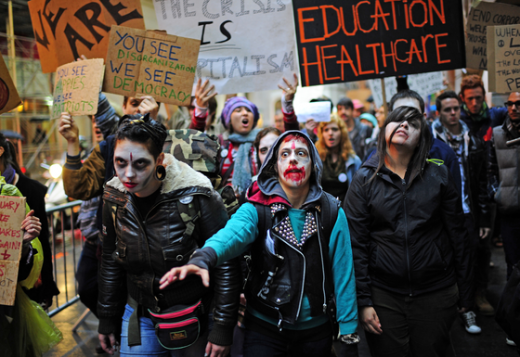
(286,230)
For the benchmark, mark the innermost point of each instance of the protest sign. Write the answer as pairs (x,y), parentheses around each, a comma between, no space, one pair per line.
(319,111)
(483,15)
(503,49)
(12,214)
(77,87)
(246,45)
(423,83)
(144,62)
(350,40)
(64,29)
(9,98)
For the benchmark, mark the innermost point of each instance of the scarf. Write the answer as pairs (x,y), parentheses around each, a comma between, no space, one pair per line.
(242,169)
(482,115)
(9,174)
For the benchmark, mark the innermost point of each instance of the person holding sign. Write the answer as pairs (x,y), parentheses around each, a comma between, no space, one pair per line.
(144,236)
(409,243)
(301,260)
(340,162)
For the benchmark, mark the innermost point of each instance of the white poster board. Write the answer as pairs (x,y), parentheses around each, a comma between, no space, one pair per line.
(319,111)
(423,83)
(246,45)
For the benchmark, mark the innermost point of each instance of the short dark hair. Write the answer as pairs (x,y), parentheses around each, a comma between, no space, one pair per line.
(445,95)
(346,102)
(9,156)
(407,94)
(471,82)
(144,130)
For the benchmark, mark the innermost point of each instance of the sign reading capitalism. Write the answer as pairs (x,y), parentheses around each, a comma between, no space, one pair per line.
(350,40)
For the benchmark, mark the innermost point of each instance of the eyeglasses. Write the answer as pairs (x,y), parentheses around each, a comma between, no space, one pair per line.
(510,104)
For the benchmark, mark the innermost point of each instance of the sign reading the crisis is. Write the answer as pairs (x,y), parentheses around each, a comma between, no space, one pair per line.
(142,62)
(12,214)
(350,40)
(503,48)
(77,87)
(9,98)
(245,45)
(64,29)
(483,15)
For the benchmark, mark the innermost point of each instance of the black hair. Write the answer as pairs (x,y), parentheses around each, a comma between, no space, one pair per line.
(144,130)
(9,156)
(407,94)
(323,99)
(346,102)
(413,117)
(445,95)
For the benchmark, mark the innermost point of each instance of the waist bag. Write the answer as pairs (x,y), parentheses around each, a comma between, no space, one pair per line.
(179,326)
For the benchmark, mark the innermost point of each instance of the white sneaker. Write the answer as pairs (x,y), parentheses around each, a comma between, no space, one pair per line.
(510,342)
(470,322)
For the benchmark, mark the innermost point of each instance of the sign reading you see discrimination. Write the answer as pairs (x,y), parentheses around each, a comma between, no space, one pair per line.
(142,62)
(9,98)
(12,214)
(503,48)
(350,40)
(245,45)
(77,86)
(66,29)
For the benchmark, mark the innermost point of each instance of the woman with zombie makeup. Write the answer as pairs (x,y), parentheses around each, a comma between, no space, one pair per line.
(301,261)
(409,243)
(340,162)
(148,228)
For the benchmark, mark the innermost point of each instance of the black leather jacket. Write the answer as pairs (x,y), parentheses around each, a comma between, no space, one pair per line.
(145,248)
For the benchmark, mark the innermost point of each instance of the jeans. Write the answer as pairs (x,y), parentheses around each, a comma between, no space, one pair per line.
(150,345)
(413,325)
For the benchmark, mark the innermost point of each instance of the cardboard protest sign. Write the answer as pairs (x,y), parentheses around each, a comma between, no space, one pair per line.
(483,15)
(144,62)
(246,45)
(350,40)
(12,214)
(9,98)
(66,29)
(318,111)
(423,83)
(77,86)
(503,48)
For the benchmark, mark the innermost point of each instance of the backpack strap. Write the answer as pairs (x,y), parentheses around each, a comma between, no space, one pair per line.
(329,214)
(189,215)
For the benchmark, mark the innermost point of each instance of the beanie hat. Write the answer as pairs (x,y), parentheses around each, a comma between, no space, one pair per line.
(232,104)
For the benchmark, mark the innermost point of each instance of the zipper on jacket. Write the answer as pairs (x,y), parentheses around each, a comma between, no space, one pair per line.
(322,266)
(406,236)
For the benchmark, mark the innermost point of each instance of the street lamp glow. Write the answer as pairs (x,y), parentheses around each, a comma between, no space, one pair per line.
(55,170)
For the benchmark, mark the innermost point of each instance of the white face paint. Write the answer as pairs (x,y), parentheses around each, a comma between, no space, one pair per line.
(135,165)
(265,144)
(294,164)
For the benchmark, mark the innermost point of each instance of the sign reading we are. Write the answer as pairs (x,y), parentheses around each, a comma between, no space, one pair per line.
(350,40)
(66,29)
(12,214)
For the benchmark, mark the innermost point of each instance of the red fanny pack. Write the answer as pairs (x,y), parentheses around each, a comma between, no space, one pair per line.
(179,326)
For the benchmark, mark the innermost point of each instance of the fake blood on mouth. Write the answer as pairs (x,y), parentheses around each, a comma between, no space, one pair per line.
(294,173)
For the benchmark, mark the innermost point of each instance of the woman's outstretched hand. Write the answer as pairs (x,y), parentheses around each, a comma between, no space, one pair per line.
(291,88)
(182,272)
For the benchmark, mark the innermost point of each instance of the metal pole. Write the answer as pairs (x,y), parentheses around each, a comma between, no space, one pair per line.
(385,105)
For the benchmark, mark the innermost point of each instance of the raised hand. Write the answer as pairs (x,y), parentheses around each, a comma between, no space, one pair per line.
(68,128)
(290,90)
(148,105)
(203,93)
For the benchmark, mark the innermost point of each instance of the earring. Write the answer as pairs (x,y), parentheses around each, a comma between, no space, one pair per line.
(160,172)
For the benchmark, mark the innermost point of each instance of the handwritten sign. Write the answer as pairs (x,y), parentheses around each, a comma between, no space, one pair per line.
(318,111)
(483,15)
(144,62)
(350,40)
(12,213)
(423,83)
(9,98)
(246,45)
(503,50)
(65,29)
(77,86)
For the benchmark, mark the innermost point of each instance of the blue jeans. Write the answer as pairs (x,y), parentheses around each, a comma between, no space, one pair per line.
(150,345)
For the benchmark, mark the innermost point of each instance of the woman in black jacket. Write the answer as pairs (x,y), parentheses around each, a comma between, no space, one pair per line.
(409,243)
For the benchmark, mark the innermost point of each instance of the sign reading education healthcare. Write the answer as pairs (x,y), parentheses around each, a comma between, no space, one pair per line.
(246,45)
(350,40)
(12,214)
(77,86)
(66,29)
(142,62)
(483,15)
(9,98)
(503,49)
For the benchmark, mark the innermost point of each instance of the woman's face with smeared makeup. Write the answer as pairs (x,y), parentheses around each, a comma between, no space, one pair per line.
(294,164)
(134,165)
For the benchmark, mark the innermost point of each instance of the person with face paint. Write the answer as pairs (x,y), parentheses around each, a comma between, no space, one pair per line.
(301,260)
(340,162)
(144,236)
(409,243)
